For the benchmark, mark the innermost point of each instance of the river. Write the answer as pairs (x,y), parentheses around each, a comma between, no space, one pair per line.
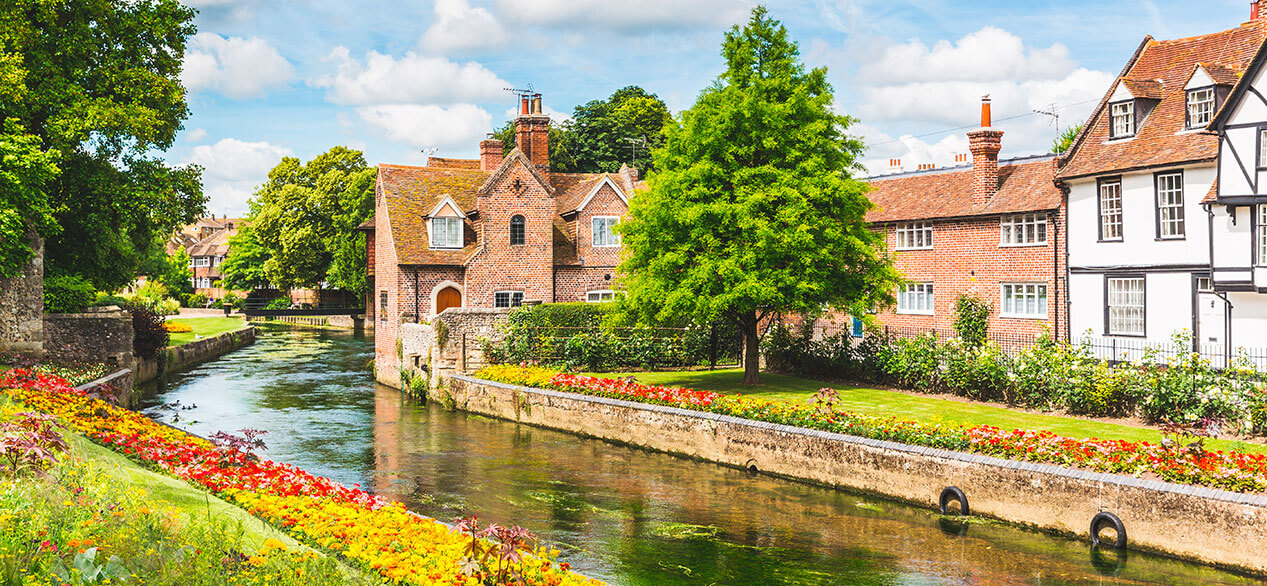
(623,514)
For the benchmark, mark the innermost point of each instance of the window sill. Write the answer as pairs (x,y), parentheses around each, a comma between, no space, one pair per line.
(1127,335)
(912,312)
(1171,238)
(910,249)
(445,248)
(1114,241)
(1022,316)
(1030,245)
(604,246)
(1120,139)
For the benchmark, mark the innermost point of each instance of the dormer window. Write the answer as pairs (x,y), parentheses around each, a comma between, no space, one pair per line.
(446,232)
(1122,117)
(1200,107)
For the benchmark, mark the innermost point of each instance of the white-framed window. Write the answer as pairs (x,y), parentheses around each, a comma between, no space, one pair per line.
(1023,230)
(1111,210)
(1122,118)
(1205,285)
(1024,300)
(382,306)
(1125,306)
(1170,205)
(202,261)
(446,232)
(203,283)
(1261,236)
(914,236)
(600,296)
(601,231)
(1262,147)
(915,298)
(1200,107)
(508,298)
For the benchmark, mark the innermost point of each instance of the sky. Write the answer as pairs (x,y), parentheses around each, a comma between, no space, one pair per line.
(397,80)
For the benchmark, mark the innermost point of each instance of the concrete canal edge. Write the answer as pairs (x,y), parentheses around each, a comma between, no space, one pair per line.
(1210,526)
(186,355)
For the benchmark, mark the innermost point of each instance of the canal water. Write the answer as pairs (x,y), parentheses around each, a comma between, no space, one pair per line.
(622,514)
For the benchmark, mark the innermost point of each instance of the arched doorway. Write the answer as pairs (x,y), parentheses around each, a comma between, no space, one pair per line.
(448,297)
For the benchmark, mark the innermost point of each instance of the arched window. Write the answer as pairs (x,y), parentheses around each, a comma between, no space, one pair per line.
(517,230)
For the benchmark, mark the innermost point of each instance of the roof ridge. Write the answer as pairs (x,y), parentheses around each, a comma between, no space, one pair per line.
(1018,160)
(1253,23)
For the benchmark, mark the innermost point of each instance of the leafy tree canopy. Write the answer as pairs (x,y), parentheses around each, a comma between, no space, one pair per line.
(753,209)
(97,82)
(305,217)
(604,134)
(25,171)
(1062,143)
(244,269)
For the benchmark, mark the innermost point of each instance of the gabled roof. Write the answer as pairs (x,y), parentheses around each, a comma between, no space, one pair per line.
(1149,89)
(214,245)
(515,156)
(1160,139)
(410,193)
(1221,74)
(1025,185)
(444,163)
(1238,91)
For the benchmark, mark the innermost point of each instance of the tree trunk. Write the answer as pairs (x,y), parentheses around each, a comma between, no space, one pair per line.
(751,350)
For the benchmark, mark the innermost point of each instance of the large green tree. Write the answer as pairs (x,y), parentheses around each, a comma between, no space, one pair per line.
(244,269)
(754,208)
(25,171)
(97,81)
(305,217)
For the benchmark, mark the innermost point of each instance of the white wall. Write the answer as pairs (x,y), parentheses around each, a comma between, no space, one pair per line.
(1139,245)
(1086,304)
(1231,244)
(1249,320)
(1167,305)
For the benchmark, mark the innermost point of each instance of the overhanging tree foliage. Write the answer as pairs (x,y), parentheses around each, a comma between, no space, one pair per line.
(305,218)
(98,83)
(753,209)
(244,269)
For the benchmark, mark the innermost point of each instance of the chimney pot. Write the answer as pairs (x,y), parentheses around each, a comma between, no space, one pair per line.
(985,145)
(523,106)
(985,111)
(532,132)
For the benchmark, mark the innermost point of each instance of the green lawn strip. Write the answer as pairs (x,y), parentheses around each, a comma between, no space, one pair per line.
(914,407)
(204,327)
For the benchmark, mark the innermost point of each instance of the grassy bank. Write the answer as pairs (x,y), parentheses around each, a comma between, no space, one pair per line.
(204,327)
(922,408)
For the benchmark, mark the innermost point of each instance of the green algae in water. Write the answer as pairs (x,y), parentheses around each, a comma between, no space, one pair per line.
(685,531)
(869,507)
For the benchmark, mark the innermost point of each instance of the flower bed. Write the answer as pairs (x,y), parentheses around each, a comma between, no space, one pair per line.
(360,527)
(1190,465)
(177,327)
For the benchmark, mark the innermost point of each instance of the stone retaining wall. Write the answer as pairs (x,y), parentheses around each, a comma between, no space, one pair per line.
(186,355)
(22,306)
(101,334)
(1207,525)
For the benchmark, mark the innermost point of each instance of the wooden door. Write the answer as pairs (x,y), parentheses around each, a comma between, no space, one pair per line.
(448,297)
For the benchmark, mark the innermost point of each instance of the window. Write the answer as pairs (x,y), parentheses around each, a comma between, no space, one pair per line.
(1023,230)
(516,230)
(914,236)
(1261,235)
(382,306)
(599,296)
(202,261)
(203,283)
(1122,117)
(1111,210)
(1200,107)
(446,232)
(915,298)
(856,327)
(508,298)
(1170,205)
(1262,147)
(602,233)
(1126,306)
(1024,300)
(1204,285)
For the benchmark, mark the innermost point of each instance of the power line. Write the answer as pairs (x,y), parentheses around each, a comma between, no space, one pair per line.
(970,126)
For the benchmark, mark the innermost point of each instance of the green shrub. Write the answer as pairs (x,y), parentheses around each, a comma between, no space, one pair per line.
(104,299)
(233,301)
(67,294)
(195,300)
(972,319)
(979,372)
(279,303)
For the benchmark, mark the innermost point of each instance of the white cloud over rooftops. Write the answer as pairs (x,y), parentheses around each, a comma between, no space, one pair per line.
(989,54)
(627,15)
(458,26)
(460,126)
(410,79)
(235,67)
(232,169)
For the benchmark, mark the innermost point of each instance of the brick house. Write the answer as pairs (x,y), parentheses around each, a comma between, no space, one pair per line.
(1141,182)
(490,232)
(990,228)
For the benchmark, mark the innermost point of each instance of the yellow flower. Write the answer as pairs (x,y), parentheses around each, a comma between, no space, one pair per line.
(274,543)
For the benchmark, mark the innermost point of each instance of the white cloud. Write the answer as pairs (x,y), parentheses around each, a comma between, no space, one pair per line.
(383,79)
(234,66)
(627,15)
(232,170)
(458,126)
(196,135)
(989,54)
(460,27)
(556,116)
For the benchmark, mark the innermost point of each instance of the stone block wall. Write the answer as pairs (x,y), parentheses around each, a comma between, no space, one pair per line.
(22,307)
(103,334)
(450,344)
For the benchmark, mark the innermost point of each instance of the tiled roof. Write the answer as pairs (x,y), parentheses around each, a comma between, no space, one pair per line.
(1222,74)
(410,193)
(214,245)
(443,163)
(1213,193)
(1024,185)
(1160,139)
(1144,88)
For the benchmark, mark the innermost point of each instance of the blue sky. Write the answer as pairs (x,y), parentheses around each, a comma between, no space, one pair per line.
(270,78)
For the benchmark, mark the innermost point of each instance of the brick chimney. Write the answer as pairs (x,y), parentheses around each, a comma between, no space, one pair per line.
(490,154)
(985,144)
(532,132)
(1257,10)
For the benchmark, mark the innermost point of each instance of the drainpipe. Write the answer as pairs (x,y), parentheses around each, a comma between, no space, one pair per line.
(417,317)
(1055,275)
(1227,326)
(1064,205)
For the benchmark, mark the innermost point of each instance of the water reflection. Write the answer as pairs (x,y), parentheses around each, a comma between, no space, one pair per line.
(619,513)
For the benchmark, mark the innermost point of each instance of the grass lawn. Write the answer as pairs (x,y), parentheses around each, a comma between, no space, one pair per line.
(915,407)
(204,327)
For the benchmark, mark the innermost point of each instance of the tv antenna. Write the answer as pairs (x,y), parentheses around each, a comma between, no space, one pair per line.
(521,91)
(634,143)
(1052,113)
(426,153)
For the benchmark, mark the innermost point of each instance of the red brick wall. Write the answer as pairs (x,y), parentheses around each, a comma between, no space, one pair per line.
(500,266)
(387,278)
(572,283)
(605,203)
(966,257)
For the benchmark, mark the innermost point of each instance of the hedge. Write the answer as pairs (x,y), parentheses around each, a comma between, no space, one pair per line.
(68,294)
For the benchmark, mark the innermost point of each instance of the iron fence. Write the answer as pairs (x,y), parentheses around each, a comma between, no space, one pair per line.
(602,348)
